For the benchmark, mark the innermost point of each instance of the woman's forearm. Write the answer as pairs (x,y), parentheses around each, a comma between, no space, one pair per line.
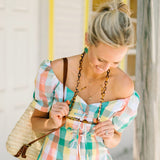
(42,125)
(114,141)
(44,122)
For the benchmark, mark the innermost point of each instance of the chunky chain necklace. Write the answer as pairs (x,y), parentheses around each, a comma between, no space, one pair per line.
(103,90)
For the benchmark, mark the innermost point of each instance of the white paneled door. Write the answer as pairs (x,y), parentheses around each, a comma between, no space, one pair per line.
(18,62)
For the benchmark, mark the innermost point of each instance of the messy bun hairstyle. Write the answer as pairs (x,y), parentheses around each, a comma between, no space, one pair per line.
(112,25)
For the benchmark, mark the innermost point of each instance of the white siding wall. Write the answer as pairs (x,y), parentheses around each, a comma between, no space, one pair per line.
(18,62)
(43,28)
(69,18)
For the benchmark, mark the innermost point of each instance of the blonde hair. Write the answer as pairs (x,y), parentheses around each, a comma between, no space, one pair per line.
(112,25)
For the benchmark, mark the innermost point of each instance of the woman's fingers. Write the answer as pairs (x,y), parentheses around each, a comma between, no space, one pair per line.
(103,134)
(104,129)
(61,105)
(101,125)
(62,108)
(57,113)
(60,111)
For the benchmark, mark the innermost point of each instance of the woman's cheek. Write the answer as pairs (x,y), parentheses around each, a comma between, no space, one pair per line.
(92,60)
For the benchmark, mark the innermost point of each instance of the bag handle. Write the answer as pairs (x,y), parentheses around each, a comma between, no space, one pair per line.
(24,148)
(65,70)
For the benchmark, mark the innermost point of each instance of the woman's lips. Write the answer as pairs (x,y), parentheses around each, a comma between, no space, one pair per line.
(100,69)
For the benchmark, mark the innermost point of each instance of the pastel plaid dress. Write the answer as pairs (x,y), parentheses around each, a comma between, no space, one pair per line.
(76,140)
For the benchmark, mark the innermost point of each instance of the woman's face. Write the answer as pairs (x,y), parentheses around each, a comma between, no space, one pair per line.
(103,57)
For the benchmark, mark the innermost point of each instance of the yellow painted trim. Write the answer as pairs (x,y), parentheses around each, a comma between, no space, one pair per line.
(86,17)
(51,30)
(125,1)
(122,66)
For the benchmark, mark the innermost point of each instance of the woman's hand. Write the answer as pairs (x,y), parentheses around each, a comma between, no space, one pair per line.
(104,129)
(58,111)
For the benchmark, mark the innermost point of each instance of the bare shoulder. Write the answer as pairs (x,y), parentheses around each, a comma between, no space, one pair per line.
(57,66)
(124,86)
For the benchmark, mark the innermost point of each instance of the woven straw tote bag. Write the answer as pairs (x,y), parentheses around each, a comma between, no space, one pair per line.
(23,142)
(22,133)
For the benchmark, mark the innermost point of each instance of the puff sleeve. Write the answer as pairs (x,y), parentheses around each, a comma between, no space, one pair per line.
(45,84)
(124,118)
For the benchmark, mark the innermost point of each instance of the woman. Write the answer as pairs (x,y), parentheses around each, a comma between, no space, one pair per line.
(104,102)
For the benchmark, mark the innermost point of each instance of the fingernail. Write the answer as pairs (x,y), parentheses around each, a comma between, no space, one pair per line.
(68,102)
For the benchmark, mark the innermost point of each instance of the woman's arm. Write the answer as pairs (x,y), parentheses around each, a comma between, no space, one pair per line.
(41,123)
(44,122)
(113,141)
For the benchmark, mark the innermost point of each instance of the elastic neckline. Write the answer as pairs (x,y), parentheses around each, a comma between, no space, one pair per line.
(111,101)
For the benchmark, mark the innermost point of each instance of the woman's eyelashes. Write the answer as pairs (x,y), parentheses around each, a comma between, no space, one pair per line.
(100,60)
(115,64)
